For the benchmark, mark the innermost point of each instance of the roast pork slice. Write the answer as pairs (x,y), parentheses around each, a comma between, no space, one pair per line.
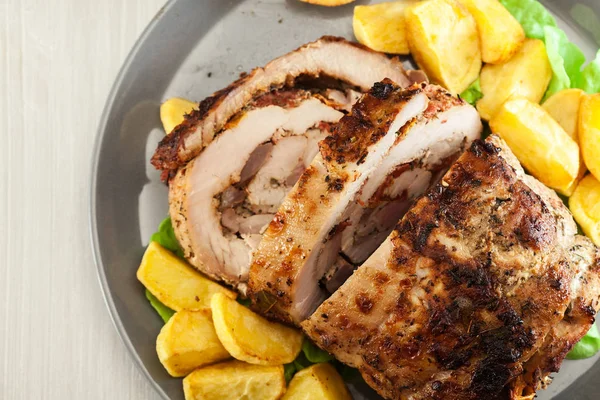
(224,198)
(379,158)
(332,58)
(483,286)
(230,163)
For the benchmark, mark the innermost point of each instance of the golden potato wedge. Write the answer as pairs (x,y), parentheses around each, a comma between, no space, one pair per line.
(443,39)
(175,283)
(539,142)
(526,75)
(319,381)
(382,27)
(563,106)
(585,206)
(589,132)
(251,338)
(172,112)
(500,34)
(328,3)
(189,341)
(234,380)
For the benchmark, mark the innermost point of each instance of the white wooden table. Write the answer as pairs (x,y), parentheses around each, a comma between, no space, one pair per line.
(58,59)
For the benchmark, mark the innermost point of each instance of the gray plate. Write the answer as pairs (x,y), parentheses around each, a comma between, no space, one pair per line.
(191,49)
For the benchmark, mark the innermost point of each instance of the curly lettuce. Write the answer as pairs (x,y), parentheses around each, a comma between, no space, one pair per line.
(589,79)
(165,236)
(165,312)
(587,347)
(532,15)
(565,58)
(473,93)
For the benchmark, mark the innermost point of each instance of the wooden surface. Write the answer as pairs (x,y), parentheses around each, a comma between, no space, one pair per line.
(58,59)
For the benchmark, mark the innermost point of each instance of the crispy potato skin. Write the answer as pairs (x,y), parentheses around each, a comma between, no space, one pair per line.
(500,34)
(173,112)
(539,142)
(176,284)
(319,381)
(189,341)
(249,337)
(234,380)
(585,206)
(443,39)
(589,132)
(527,75)
(564,107)
(382,27)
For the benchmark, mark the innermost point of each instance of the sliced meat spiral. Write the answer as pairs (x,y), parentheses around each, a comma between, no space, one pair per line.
(330,57)
(379,158)
(230,164)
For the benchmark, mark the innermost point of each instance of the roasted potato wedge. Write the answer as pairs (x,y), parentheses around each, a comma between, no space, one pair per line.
(443,39)
(234,380)
(319,381)
(563,106)
(189,341)
(526,75)
(539,142)
(251,338)
(172,112)
(585,206)
(500,34)
(176,284)
(589,132)
(382,27)
(328,3)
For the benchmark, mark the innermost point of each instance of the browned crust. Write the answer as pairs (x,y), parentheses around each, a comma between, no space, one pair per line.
(169,155)
(369,121)
(272,282)
(484,340)
(166,157)
(578,319)
(440,100)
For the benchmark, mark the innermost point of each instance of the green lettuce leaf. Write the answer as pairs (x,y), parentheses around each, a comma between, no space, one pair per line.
(532,15)
(589,79)
(166,237)
(565,58)
(588,346)
(301,362)
(314,354)
(289,370)
(347,373)
(473,93)
(244,302)
(311,355)
(165,312)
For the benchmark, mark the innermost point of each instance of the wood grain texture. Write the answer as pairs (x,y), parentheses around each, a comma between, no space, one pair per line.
(58,60)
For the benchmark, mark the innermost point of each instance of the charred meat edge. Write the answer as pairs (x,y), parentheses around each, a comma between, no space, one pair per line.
(313,59)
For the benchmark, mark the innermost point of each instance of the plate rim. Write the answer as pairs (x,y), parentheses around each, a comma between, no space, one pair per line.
(92,214)
(100,136)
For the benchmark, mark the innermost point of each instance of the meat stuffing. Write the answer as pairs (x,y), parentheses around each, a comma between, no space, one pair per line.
(483,286)
(378,159)
(231,164)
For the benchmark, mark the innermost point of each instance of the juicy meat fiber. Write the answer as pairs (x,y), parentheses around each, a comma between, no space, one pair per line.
(483,285)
